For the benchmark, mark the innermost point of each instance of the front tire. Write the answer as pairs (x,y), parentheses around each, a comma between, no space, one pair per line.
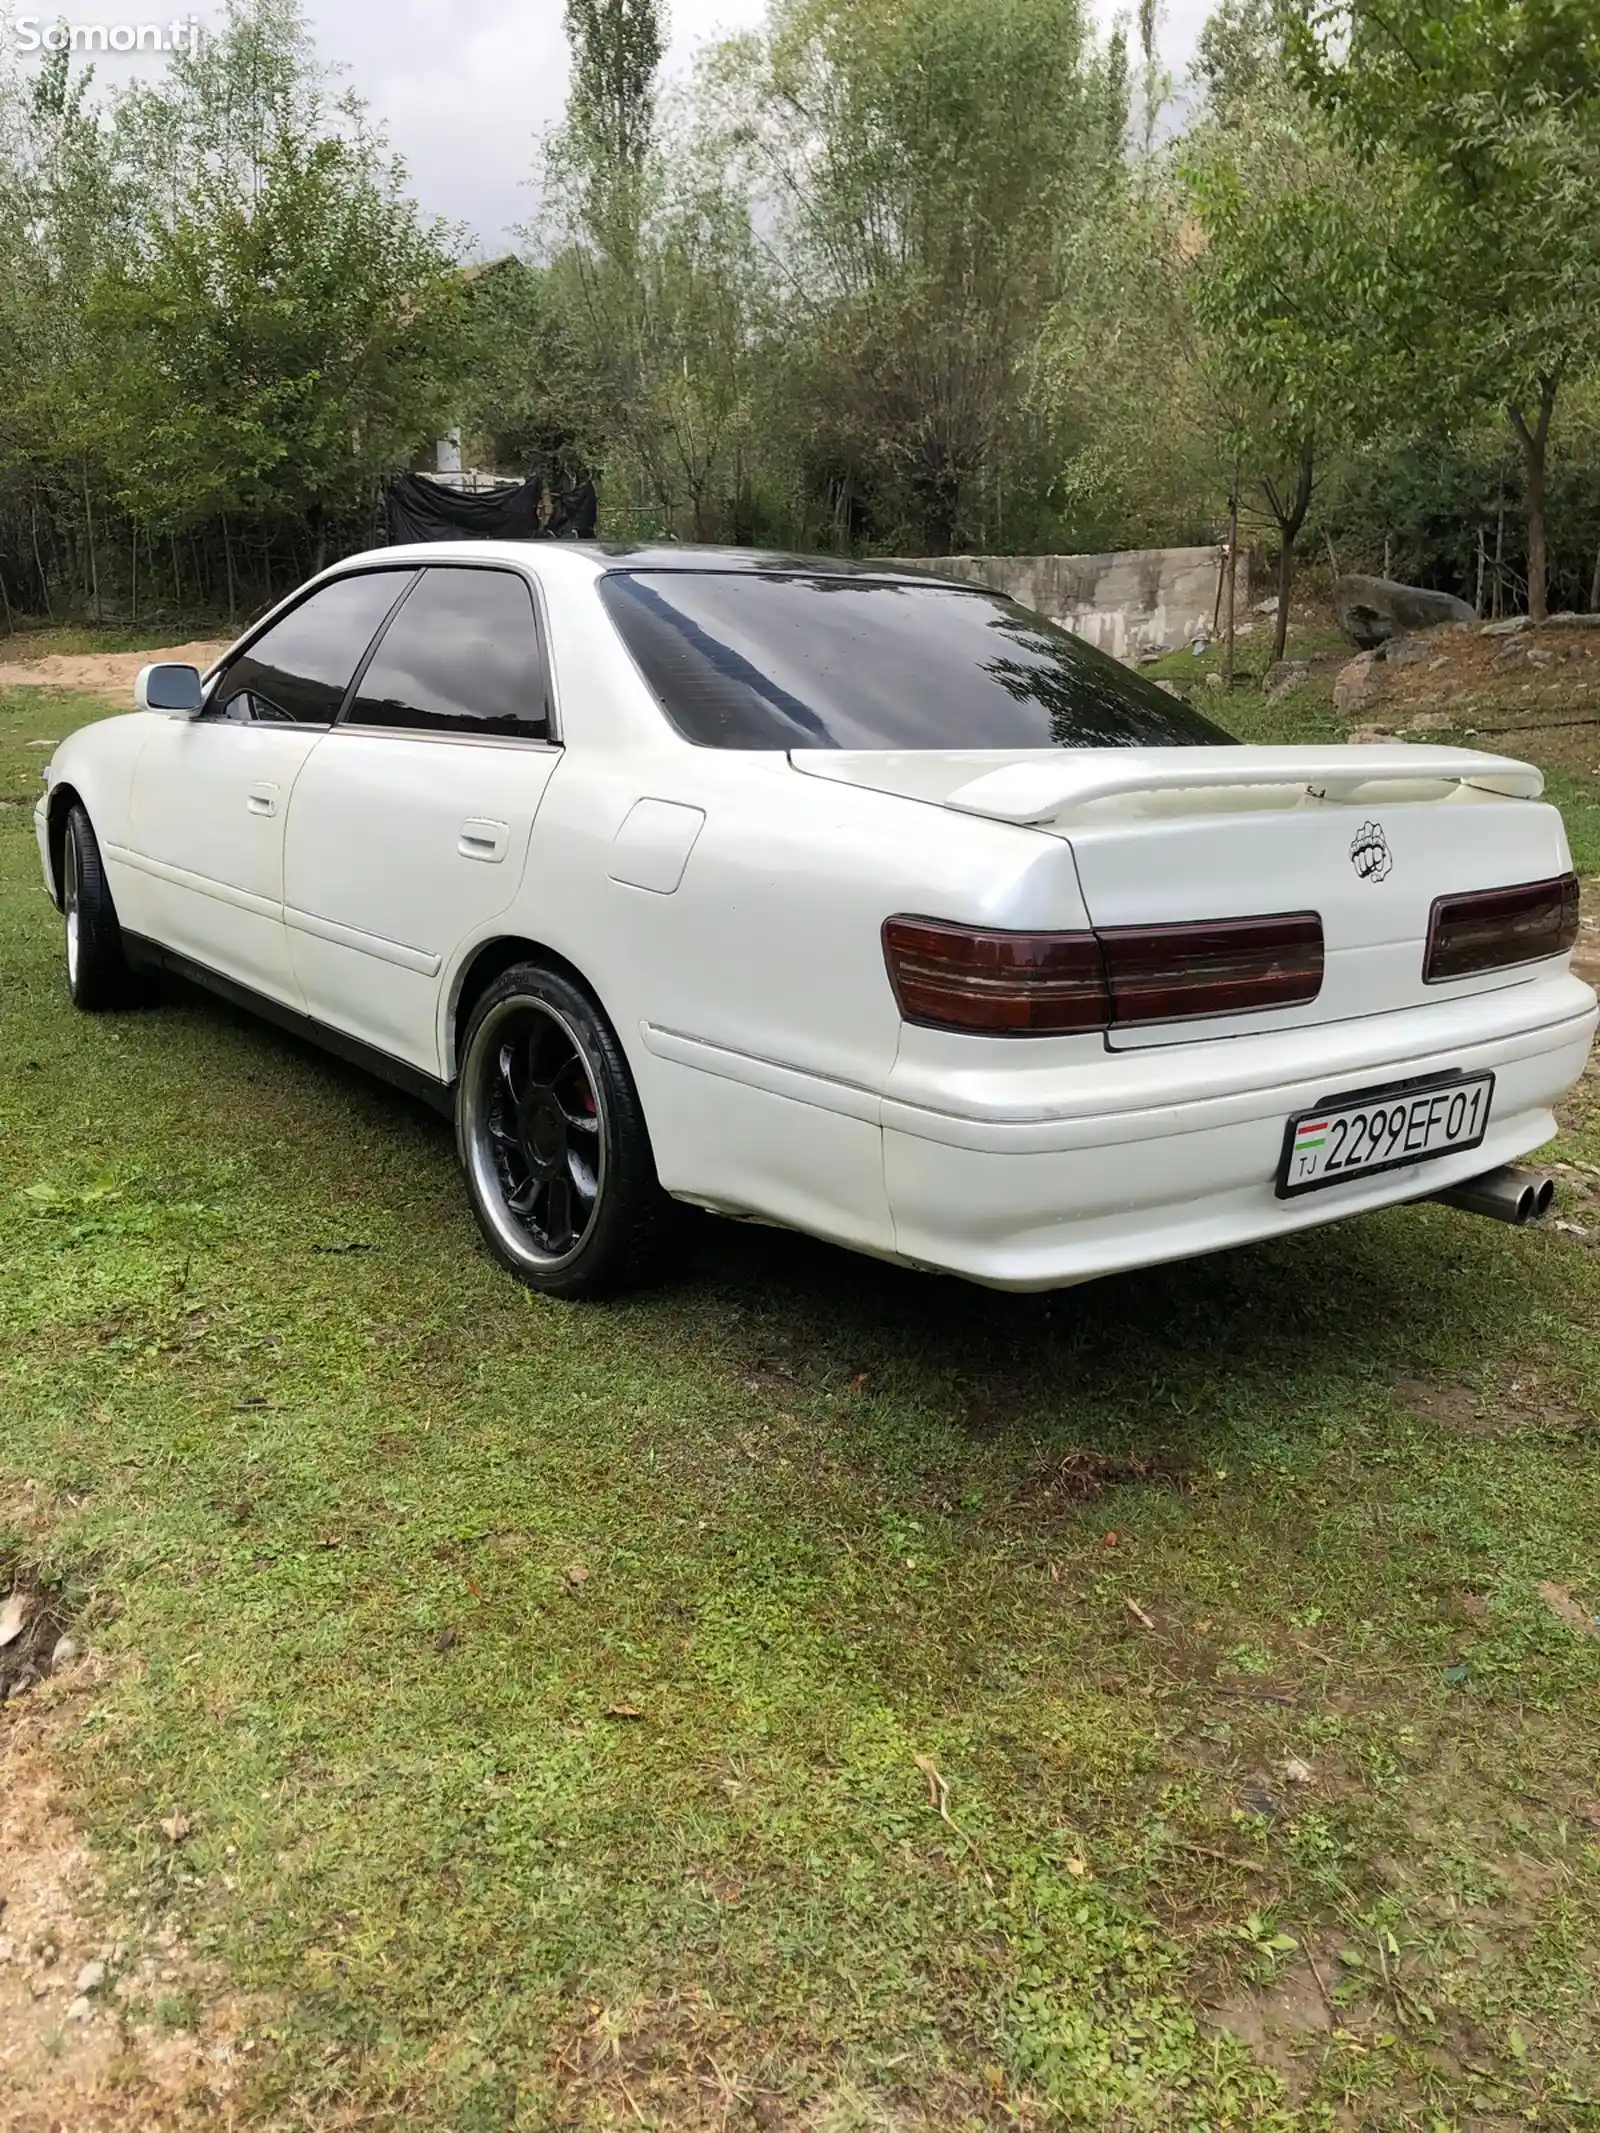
(98,973)
(553,1141)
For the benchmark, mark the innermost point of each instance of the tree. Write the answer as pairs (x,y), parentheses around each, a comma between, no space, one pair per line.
(920,165)
(1492,108)
(609,134)
(273,357)
(1285,285)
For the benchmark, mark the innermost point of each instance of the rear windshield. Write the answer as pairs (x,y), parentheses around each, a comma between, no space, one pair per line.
(759,660)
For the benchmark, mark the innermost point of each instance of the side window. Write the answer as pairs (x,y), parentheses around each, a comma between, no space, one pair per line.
(297,672)
(462,656)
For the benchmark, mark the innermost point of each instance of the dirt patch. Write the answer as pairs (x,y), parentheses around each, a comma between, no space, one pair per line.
(1273,2021)
(1516,678)
(1472,1411)
(103,673)
(97,2032)
(31,1627)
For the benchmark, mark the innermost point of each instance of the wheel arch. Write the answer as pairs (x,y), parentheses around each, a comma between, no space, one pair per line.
(491,960)
(63,799)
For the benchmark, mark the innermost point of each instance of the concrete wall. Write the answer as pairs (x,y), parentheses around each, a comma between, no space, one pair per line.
(1147,599)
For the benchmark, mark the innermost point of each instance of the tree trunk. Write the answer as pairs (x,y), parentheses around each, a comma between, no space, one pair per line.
(1230,580)
(227,551)
(1594,589)
(94,567)
(1291,516)
(38,562)
(1535,437)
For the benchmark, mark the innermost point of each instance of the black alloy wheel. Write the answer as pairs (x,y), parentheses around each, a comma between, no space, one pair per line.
(98,975)
(553,1140)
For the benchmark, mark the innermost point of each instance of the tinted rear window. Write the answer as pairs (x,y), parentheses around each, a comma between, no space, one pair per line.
(765,661)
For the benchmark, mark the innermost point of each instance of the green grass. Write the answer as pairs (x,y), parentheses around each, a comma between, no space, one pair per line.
(316,1476)
(39,640)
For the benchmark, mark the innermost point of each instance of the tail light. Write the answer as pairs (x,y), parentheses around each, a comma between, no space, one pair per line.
(1495,929)
(1056,984)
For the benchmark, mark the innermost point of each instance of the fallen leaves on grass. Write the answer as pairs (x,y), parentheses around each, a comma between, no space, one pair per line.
(577,1574)
(177,1829)
(624,1710)
(1082,1476)
(939,1801)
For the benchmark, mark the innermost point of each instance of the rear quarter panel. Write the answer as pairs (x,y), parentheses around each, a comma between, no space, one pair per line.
(752,1001)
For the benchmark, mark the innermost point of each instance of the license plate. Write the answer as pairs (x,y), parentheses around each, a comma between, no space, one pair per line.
(1386,1129)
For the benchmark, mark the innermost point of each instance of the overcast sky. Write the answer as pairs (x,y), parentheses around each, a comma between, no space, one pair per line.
(465,87)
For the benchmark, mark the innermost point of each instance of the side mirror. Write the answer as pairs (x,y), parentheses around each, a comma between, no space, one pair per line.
(173,689)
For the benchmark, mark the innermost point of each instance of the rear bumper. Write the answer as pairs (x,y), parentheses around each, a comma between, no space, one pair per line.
(1073,1189)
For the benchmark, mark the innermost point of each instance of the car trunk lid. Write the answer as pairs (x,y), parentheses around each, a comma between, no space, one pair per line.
(1365,837)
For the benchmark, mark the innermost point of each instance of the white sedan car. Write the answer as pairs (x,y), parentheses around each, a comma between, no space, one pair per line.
(832,896)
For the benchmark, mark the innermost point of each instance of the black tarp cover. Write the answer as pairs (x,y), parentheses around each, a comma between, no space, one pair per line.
(423,510)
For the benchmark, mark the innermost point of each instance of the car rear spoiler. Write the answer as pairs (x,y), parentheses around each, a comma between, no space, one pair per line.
(1043,790)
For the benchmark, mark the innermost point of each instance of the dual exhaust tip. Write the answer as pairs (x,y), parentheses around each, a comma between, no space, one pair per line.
(1509,1194)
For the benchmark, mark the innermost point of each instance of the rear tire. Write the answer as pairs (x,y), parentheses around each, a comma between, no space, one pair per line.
(553,1141)
(98,973)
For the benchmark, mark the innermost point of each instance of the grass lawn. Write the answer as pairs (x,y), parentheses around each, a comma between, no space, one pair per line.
(562,1699)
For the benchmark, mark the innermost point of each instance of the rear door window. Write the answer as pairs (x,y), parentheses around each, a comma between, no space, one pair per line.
(761,659)
(462,656)
(296,673)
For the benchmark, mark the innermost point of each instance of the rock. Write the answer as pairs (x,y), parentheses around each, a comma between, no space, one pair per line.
(66,1650)
(1408,651)
(1284,676)
(91,1977)
(1572,622)
(1172,689)
(1372,610)
(1266,607)
(1360,683)
(1508,628)
(1215,681)
(80,2010)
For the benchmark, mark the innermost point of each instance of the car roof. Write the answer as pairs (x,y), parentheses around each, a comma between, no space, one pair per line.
(594,558)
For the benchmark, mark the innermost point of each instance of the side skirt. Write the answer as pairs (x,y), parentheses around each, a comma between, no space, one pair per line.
(152,955)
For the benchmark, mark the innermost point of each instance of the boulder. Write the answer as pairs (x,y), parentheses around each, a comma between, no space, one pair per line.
(1286,675)
(1360,683)
(1372,610)
(1409,651)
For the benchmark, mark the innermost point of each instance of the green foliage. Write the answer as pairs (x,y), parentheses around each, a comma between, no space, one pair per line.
(1491,110)
(276,355)
(616,50)
(230,320)
(899,275)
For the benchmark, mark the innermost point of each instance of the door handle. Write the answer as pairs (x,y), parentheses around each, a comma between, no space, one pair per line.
(484,840)
(263,800)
